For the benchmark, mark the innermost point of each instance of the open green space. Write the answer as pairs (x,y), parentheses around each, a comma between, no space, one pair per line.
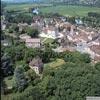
(71,10)
(24,6)
(48,40)
(66,10)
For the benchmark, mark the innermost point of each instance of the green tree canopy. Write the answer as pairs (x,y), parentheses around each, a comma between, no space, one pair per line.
(20,81)
(32,32)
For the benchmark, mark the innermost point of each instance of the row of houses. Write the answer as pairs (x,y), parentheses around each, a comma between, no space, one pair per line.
(84,38)
(87,42)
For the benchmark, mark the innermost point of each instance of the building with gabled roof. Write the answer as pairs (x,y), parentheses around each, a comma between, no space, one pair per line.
(33,42)
(37,65)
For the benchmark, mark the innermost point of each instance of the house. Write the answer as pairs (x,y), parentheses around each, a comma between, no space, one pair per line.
(35,11)
(37,65)
(23,37)
(5,43)
(3,26)
(33,43)
(95,49)
(22,26)
(78,21)
(51,32)
(92,98)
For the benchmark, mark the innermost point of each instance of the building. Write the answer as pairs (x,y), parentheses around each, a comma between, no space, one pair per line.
(3,26)
(78,21)
(22,26)
(5,43)
(23,37)
(51,32)
(37,65)
(35,11)
(92,98)
(33,43)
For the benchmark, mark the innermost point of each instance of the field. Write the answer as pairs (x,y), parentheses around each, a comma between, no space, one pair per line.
(71,10)
(24,6)
(67,10)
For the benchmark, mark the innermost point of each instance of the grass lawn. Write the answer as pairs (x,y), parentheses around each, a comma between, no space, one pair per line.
(48,40)
(56,63)
(71,10)
(9,81)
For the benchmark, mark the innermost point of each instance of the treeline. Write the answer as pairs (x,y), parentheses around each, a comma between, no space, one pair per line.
(94,14)
(75,2)
(93,19)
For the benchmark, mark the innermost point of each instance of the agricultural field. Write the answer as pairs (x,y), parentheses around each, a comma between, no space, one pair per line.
(24,6)
(71,10)
(67,10)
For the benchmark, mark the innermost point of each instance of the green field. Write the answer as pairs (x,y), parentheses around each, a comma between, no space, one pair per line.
(71,10)
(24,6)
(67,10)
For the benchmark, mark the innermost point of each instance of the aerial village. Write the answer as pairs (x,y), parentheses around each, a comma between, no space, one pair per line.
(49,56)
(71,37)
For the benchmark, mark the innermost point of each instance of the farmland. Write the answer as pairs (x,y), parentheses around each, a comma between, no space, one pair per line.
(67,10)
(71,10)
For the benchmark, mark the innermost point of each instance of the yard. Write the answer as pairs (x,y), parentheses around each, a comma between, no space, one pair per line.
(56,63)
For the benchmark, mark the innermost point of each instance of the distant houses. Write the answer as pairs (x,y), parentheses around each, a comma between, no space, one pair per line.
(35,11)
(37,65)
(78,22)
(49,33)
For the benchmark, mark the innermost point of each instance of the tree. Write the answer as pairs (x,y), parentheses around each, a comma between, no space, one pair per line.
(32,32)
(20,81)
(73,81)
(16,51)
(3,5)
(77,57)
(48,54)
(31,93)
(15,27)
(23,64)
(6,65)
(32,78)
(97,66)
(30,54)
(85,58)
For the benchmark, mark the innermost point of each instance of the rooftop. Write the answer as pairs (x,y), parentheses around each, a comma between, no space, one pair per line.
(34,40)
(36,62)
(95,48)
